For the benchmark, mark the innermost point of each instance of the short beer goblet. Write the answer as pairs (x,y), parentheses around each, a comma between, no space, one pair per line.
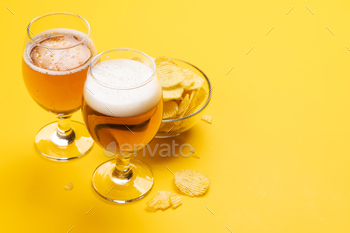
(122,109)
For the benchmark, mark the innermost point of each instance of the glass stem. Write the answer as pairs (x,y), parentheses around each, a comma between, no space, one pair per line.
(64,129)
(122,167)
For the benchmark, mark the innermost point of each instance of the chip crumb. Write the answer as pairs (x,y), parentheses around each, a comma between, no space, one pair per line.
(206,119)
(69,186)
(160,201)
(192,150)
(175,200)
(163,200)
(196,156)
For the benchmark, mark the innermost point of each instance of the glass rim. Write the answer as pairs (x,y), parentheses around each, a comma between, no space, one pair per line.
(96,57)
(58,13)
(206,103)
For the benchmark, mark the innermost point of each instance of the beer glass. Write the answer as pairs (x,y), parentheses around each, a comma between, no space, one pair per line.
(122,110)
(58,49)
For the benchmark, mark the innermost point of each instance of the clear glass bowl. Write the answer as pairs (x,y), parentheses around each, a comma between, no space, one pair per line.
(174,127)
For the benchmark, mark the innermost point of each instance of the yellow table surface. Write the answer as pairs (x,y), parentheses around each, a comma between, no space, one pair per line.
(277,151)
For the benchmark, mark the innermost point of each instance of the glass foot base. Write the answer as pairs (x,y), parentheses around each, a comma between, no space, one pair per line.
(51,146)
(136,187)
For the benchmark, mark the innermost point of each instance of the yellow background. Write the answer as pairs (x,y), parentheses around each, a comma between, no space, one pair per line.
(277,152)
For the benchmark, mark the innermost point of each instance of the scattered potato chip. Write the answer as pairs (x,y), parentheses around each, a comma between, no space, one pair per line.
(191,182)
(160,201)
(175,200)
(206,118)
(183,106)
(173,93)
(168,72)
(69,186)
(170,109)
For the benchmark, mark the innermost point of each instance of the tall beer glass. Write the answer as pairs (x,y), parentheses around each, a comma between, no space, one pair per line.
(122,109)
(57,52)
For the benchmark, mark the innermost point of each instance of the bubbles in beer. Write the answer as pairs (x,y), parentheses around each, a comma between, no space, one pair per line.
(56,61)
(61,59)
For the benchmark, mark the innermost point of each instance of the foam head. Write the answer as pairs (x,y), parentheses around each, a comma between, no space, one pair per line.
(59,60)
(120,102)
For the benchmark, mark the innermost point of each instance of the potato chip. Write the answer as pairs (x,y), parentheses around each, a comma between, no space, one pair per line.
(170,109)
(192,81)
(187,104)
(175,200)
(191,182)
(168,72)
(206,119)
(183,106)
(173,93)
(192,96)
(200,97)
(69,186)
(196,100)
(160,201)
(189,80)
(198,82)
(188,93)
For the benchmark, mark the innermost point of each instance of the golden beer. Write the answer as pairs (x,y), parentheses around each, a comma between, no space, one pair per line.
(55,78)
(134,130)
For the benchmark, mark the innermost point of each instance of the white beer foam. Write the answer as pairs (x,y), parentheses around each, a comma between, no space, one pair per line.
(122,103)
(62,59)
